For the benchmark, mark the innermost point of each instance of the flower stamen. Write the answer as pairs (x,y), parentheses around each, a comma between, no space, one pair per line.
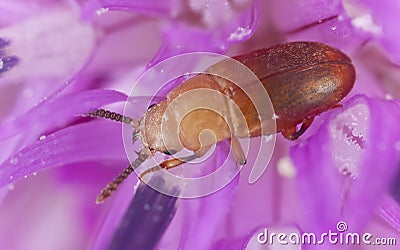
(6,62)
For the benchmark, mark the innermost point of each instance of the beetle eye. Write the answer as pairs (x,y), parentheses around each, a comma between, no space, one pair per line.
(170,152)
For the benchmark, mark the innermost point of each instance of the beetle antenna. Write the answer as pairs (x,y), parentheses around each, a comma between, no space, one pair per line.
(112,186)
(101,113)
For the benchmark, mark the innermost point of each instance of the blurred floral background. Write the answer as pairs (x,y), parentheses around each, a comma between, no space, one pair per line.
(61,59)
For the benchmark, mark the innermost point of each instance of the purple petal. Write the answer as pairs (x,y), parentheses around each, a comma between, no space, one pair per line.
(18,10)
(349,163)
(49,52)
(180,38)
(120,202)
(389,210)
(294,14)
(49,115)
(313,20)
(156,7)
(378,19)
(198,220)
(146,219)
(236,242)
(247,241)
(41,56)
(201,233)
(79,143)
(51,204)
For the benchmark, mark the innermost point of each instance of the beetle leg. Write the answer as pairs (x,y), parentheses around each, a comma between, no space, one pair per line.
(237,150)
(171,163)
(337,105)
(168,164)
(293,134)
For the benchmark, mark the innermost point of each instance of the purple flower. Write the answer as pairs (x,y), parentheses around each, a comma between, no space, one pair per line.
(69,58)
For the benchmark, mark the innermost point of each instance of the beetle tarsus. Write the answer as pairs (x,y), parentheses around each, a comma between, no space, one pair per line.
(293,134)
(338,105)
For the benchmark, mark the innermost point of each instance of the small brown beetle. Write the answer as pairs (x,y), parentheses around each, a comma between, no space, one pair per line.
(302,79)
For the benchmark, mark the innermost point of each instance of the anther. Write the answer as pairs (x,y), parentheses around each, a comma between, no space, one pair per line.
(3,43)
(7,63)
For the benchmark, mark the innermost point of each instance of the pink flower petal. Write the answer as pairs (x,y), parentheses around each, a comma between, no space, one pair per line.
(156,7)
(53,114)
(199,233)
(378,19)
(349,163)
(50,51)
(389,210)
(313,20)
(181,38)
(79,143)
(148,216)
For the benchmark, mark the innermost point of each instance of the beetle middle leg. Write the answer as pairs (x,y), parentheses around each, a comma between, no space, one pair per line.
(293,134)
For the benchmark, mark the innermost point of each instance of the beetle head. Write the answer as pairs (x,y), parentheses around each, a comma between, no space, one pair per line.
(159,130)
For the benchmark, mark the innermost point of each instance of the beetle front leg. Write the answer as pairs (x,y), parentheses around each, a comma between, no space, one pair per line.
(168,164)
(172,163)
(293,134)
(237,150)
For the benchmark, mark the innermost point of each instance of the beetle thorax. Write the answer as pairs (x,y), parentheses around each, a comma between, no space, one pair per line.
(158,131)
(178,124)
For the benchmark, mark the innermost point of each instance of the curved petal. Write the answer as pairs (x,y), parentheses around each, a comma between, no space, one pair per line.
(120,203)
(389,210)
(47,48)
(349,163)
(18,10)
(41,56)
(180,38)
(239,242)
(377,18)
(49,115)
(147,217)
(79,143)
(190,229)
(313,20)
(157,7)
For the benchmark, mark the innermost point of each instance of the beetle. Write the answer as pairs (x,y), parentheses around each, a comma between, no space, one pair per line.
(302,79)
